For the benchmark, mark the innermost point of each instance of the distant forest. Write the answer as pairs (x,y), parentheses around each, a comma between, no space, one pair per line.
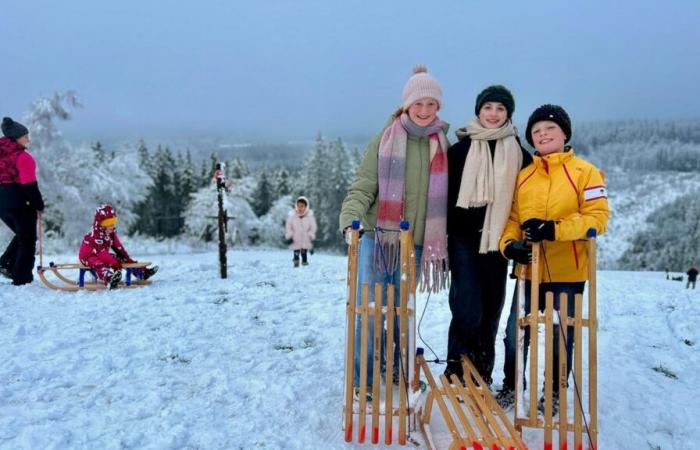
(162,193)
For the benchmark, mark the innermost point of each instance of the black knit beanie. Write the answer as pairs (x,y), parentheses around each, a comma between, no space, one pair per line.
(552,113)
(496,93)
(13,130)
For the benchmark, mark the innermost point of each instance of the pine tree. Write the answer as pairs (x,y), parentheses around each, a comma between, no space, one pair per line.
(99,151)
(262,199)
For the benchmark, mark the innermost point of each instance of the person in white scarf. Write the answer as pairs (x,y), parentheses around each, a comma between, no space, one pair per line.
(483,167)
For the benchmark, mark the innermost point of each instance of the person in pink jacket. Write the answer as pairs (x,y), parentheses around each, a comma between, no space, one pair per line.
(300,229)
(95,249)
(21,202)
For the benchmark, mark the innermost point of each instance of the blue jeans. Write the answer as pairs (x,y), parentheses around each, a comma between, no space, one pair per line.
(570,288)
(366,274)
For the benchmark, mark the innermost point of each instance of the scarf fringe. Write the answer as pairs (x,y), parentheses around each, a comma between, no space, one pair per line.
(435,275)
(387,254)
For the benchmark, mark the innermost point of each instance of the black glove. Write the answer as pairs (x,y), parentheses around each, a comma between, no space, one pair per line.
(537,230)
(311,251)
(519,251)
(288,241)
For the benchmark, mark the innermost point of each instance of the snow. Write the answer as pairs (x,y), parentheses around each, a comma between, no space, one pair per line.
(256,360)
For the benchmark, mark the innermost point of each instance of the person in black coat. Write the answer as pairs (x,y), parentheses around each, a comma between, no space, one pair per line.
(692,276)
(483,167)
(20,202)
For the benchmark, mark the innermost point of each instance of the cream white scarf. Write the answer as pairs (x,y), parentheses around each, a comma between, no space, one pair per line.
(490,182)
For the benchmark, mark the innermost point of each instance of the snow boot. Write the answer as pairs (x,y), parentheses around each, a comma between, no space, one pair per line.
(452,370)
(296,263)
(148,272)
(555,404)
(6,272)
(368,395)
(505,398)
(115,279)
(305,263)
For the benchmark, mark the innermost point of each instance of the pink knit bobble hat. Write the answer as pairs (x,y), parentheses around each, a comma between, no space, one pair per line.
(421,85)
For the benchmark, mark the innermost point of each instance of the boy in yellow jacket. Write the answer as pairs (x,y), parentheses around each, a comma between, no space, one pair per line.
(557,200)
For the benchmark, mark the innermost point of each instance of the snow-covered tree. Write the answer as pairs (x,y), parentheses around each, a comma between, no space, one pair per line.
(202,213)
(272,223)
(74,182)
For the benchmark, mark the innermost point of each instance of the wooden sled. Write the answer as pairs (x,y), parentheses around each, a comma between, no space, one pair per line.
(471,414)
(68,284)
(576,392)
(395,419)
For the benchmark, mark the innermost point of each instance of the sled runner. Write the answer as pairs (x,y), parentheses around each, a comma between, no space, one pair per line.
(134,277)
(585,422)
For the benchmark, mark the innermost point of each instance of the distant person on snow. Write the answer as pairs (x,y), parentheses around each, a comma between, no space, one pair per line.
(557,200)
(300,231)
(692,276)
(21,202)
(95,249)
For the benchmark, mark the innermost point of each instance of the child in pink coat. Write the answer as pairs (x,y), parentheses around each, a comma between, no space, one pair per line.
(95,249)
(301,230)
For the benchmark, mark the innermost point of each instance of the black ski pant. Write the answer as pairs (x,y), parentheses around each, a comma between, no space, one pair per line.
(303,252)
(477,294)
(18,257)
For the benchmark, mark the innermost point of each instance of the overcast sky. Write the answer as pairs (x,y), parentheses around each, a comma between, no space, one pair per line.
(278,70)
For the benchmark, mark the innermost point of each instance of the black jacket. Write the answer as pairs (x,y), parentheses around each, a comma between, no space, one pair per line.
(460,221)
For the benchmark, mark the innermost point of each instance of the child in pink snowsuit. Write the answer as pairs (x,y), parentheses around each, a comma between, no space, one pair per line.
(95,249)
(300,230)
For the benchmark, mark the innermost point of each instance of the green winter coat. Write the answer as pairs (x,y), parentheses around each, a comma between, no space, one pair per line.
(361,200)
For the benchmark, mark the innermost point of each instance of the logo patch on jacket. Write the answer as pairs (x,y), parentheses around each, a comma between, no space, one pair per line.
(595,192)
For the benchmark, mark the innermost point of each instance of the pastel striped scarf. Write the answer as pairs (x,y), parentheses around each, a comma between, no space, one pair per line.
(392,179)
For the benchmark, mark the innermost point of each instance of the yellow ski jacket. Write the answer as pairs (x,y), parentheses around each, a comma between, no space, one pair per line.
(569,191)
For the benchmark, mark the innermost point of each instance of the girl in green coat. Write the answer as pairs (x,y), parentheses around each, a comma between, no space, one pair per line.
(403,176)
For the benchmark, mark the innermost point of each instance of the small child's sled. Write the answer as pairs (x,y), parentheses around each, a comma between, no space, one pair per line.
(134,277)
(134,272)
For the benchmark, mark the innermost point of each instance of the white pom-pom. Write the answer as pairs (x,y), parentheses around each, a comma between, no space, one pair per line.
(420,68)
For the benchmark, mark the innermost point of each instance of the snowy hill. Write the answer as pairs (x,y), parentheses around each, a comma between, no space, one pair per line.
(256,361)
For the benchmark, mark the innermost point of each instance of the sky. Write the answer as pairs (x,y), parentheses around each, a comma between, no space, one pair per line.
(284,70)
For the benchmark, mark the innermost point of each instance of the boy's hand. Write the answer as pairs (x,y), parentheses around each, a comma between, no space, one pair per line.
(537,230)
(519,251)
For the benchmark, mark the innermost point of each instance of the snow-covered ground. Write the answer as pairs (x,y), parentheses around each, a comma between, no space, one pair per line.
(256,361)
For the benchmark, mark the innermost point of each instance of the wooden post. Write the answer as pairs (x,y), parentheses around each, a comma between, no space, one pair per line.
(389,400)
(519,344)
(563,337)
(350,325)
(578,363)
(377,358)
(534,328)
(222,218)
(548,364)
(403,333)
(592,340)
(364,318)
